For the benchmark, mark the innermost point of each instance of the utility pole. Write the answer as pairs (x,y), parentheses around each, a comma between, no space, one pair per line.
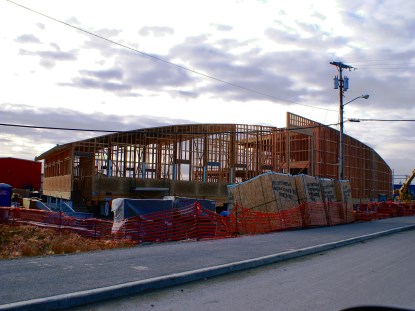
(342,84)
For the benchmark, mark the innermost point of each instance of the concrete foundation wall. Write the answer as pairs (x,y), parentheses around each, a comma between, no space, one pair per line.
(116,187)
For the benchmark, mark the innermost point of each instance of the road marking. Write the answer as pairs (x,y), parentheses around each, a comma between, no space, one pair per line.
(139,268)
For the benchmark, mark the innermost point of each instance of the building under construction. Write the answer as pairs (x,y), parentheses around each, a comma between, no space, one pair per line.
(200,160)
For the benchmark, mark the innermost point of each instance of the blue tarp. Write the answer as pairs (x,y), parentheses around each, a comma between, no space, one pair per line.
(5,194)
(181,203)
(126,208)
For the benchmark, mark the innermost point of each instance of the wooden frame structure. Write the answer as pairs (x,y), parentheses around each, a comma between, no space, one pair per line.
(199,160)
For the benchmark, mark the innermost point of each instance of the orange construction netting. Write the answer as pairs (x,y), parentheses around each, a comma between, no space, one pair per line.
(193,222)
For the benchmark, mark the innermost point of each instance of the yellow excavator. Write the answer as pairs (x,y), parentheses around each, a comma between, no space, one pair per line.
(403,192)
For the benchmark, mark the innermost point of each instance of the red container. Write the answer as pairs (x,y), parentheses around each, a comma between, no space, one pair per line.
(20,173)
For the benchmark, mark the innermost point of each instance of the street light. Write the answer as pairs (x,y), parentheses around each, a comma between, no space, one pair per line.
(361,96)
(341,168)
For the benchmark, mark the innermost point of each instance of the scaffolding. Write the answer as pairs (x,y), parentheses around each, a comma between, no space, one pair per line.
(210,154)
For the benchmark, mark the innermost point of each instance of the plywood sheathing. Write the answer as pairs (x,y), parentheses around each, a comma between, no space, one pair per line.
(269,192)
(344,194)
(311,196)
(334,208)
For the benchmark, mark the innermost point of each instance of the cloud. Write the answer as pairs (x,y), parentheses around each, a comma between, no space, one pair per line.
(183,94)
(28,140)
(60,117)
(104,74)
(296,70)
(57,55)
(381,25)
(388,139)
(156,31)
(286,55)
(108,32)
(133,72)
(27,38)
(144,72)
(107,80)
(48,58)
(105,48)
(262,72)
(271,73)
(88,83)
(73,21)
(248,70)
(221,27)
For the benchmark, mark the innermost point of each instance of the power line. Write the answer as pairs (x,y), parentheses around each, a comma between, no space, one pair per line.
(384,64)
(383,120)
(56,128)
(391,61)
(147,131)
(166,61)
(370,61)
(386,68)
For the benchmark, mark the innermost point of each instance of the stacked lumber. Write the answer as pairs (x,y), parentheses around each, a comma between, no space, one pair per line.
(284,201)
(269,193)
(310,195)
(344,195)
(334,208)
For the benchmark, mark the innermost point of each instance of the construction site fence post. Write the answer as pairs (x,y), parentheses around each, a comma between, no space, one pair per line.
(60,221)
(138,231)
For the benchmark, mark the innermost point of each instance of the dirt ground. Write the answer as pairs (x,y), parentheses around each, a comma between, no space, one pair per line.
(26,241)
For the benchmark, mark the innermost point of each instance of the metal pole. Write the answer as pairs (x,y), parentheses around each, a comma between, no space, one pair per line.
(340,66)
(341,108)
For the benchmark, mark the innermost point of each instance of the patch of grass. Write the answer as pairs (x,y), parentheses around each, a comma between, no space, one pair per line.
(27,241)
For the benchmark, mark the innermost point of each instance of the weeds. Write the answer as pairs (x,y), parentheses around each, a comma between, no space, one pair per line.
(27,241)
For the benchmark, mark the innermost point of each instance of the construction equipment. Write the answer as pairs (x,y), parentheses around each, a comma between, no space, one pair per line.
(403,192)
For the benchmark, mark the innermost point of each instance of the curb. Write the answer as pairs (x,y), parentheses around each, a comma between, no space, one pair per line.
(116,291)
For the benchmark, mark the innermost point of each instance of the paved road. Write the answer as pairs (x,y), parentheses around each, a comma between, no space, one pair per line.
(74,278)
(377,272)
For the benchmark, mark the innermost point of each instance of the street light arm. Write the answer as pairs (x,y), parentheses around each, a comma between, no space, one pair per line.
(341,149)
(361,96)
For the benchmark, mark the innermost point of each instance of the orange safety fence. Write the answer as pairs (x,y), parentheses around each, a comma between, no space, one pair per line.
(190,222)
(193,222)
(380,210)
(250,221)
(335,213)
(95,228)
(314,214)
(291,218)
(247,221)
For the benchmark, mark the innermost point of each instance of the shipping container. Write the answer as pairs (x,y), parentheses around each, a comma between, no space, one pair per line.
(20,173)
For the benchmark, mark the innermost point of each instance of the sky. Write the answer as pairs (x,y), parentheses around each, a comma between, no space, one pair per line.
(131,64)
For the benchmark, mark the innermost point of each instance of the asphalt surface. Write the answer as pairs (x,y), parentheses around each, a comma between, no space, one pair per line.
(378,272)
(57,282)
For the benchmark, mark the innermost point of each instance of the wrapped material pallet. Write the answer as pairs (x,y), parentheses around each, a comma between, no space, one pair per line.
(269,193)
(334,208)
(154,214)
(311,198)
(308,189)
(327,189)
(344,195)
(286,198)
